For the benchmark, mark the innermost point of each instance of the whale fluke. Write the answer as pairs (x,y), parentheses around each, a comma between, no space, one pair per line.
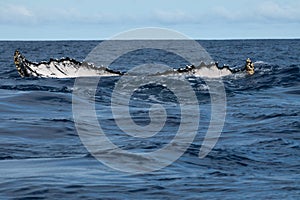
(70,68)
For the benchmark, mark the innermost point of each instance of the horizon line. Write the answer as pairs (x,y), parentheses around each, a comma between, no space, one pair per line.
(98,39)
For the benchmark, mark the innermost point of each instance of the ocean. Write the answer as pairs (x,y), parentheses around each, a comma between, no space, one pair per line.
(256,156)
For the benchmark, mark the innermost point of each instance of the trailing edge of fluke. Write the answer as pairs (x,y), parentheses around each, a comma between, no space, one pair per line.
(70,68)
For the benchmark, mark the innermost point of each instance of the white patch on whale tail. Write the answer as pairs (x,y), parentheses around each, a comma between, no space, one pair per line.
(212,72)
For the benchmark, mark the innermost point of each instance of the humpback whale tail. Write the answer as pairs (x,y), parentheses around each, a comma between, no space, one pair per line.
(70,68)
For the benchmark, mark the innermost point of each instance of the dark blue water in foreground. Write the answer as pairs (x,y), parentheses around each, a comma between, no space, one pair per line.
(256,157)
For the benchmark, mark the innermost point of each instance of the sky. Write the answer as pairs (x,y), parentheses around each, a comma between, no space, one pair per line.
(102,19)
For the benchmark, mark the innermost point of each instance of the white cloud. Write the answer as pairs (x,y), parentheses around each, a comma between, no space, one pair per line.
(20,10)
(259,13)
(225,13)
(173,17)
(16,14)
(275,11)
(22,15)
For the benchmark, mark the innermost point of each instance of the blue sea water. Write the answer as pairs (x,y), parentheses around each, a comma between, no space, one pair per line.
(256,157)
